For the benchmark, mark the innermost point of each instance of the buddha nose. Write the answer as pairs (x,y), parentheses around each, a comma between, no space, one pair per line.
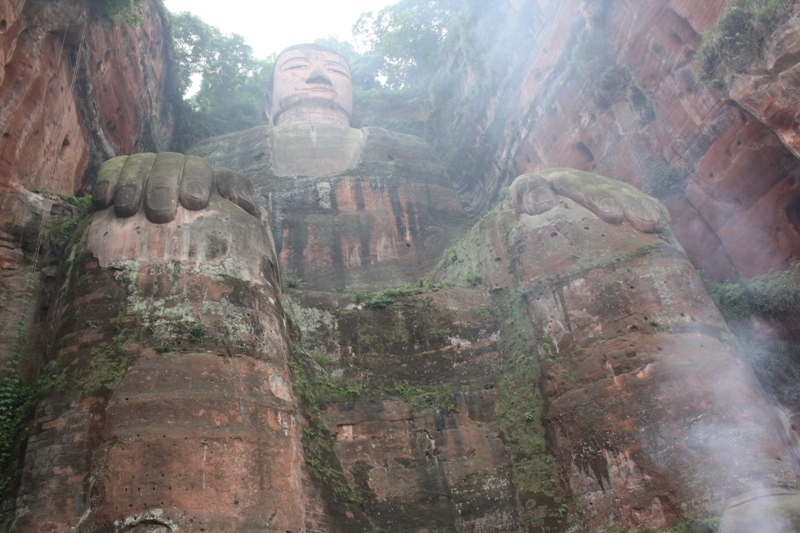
(318,76)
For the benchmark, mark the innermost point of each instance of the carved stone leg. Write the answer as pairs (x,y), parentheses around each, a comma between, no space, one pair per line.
(177,412)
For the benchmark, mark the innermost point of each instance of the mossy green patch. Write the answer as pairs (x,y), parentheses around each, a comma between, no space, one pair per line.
(776,294)
(17,398)
(519,417)
(737,38)
(383,299)
(321,459)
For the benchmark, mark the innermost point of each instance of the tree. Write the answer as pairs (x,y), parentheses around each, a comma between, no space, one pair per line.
(406,38)
(233,83)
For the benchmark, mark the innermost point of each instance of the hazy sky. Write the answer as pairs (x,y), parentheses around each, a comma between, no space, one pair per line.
(269,27)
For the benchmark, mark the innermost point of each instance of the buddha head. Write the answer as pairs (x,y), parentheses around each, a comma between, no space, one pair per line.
(311,84)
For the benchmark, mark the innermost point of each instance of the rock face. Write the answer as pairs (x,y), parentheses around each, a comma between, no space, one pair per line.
(372,214)
(610,88)
(766,87)
(73,90)
(647,410)
(415,432)
(178,412)
(561,368)
(73,85)
(575,374)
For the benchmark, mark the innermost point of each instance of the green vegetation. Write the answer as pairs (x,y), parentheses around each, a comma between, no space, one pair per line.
(106,367)
(64,227)
(57,234)
(404,45)
(519,411)
(291,280)
(234,83)
(776,294)
(324,465)
(17,397)
(115,10)
(593,57)
(423,397)
(773,296)
(661,179)
(405,40)
(169,335)
(383,299)
(320,457)
(737,38)
(777,365)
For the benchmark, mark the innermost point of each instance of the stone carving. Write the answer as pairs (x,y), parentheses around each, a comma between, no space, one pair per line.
(646,405)
(207,434)
(629,321)
(358,207)
(310,106)
(160,182)
(612,201)
(311,85)
(181,409)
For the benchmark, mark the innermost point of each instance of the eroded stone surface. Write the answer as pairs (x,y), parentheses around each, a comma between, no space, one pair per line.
(648,410)
(172,343)
(616,94)
(418,438)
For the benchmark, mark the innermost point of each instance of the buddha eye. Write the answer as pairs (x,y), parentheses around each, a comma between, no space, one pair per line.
(338,71)
(295,67)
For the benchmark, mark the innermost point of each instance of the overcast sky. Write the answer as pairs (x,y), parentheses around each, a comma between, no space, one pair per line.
(269,27)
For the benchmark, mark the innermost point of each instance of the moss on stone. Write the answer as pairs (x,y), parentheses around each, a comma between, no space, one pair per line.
(320,457)
(519,416)
(737,38)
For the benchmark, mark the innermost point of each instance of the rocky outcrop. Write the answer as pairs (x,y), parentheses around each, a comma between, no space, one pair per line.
(766,87)
(630,347)
(609,87)
(561,368)
(574,373)
(74,90)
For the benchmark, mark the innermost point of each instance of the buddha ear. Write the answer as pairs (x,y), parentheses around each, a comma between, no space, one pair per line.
(268,109)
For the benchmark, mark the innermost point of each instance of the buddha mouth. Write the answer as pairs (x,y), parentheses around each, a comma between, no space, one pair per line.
(319,89)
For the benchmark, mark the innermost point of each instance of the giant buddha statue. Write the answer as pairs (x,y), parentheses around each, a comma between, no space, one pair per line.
(350,207)
(180,412)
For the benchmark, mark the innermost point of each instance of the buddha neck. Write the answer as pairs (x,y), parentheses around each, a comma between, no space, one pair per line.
(315,150)
(313,115)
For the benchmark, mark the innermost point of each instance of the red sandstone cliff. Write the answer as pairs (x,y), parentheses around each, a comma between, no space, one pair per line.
(74,90)
(609,87)
(726,170)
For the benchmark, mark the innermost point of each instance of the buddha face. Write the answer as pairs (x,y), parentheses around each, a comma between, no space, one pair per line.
(311,86)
